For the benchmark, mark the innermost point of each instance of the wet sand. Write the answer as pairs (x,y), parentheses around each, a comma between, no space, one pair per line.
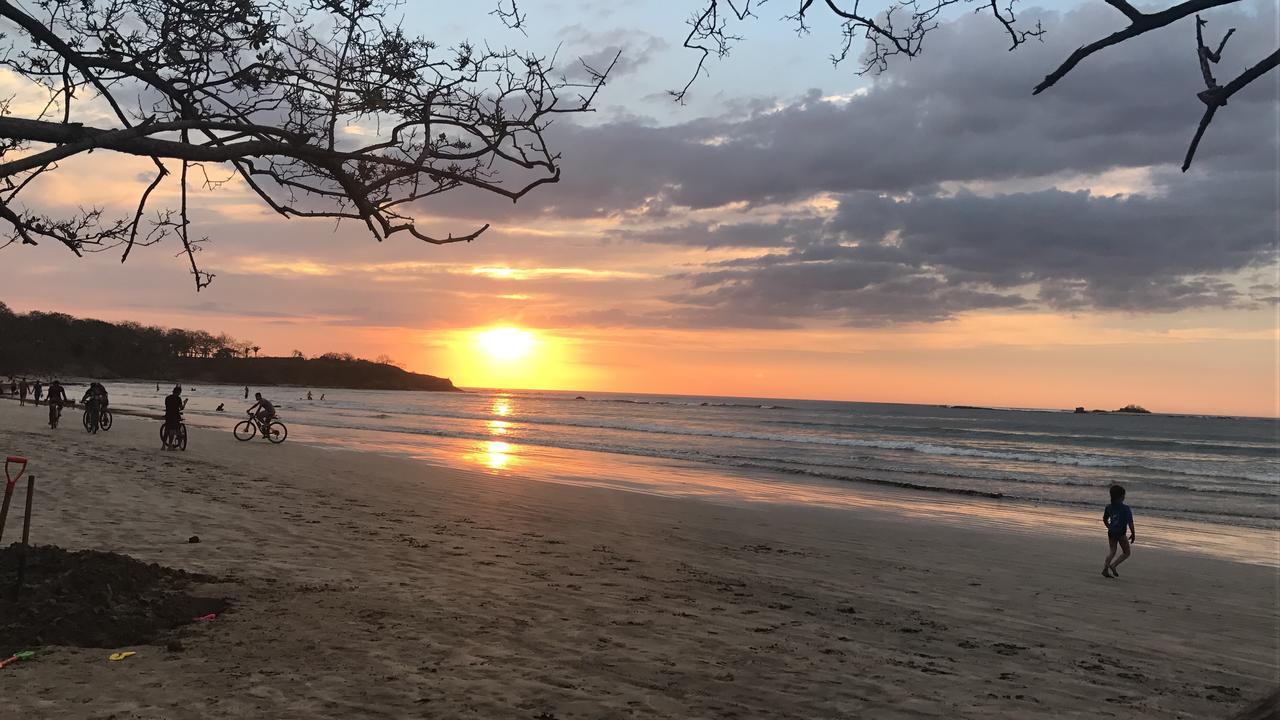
(367,586)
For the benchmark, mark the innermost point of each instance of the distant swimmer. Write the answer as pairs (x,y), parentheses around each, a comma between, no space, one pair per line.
(321,397)
(220,408)
(246,392)
(308,394)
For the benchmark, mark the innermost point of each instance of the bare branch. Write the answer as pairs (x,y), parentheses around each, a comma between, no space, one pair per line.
(1141,24)
(294,97)
(899,27)
(511,17)
(1215,96)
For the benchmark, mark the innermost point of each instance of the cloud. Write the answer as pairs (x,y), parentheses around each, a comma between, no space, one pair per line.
(728,234)
(929,257)
(963,112)
(634,49)
(941,188)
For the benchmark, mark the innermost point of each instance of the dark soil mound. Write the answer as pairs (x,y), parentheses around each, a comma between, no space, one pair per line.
(93,599)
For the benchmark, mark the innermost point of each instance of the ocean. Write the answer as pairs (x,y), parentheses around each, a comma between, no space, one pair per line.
(1223,470)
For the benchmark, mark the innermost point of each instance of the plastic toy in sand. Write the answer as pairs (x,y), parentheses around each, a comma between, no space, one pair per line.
(16,657)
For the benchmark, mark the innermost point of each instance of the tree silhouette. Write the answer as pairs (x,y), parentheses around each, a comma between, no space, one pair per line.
(319,107)
(898,27)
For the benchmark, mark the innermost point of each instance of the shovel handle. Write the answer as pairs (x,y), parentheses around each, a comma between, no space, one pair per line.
(10,478)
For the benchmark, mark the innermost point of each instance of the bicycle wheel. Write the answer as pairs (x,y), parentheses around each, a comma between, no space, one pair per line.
(84,420)
(277,432)
(180,441)
(104,420)
(245,430)
(164,436)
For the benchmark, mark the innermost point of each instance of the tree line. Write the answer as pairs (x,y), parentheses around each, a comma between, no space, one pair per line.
(45,343)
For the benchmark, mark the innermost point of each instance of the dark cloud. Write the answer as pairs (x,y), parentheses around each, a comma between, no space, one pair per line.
(962,112)
(900,247)
(929,257)
(789,230)
(597,49)
(674,318)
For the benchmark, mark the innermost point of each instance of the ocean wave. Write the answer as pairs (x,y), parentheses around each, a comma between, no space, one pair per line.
(1113,441)
(675,403)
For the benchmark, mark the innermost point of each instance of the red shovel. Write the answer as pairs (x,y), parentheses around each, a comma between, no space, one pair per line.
(11,479)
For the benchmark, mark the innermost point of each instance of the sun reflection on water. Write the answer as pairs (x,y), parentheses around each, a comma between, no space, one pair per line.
(495,454)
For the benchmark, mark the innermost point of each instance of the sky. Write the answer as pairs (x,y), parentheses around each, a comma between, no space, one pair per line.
(932,234)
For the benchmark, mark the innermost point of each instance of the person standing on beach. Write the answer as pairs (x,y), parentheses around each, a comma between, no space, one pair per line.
(23,389)
(38,392)
(1117,517)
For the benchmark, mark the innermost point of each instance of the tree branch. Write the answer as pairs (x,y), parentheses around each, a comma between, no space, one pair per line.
(1142,23)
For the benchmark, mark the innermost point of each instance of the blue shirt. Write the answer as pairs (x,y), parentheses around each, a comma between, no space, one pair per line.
(1117,518)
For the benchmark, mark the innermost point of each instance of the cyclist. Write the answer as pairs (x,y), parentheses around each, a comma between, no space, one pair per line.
(262,411)
(173,407)
(94,400)
(57,396)
(96,394)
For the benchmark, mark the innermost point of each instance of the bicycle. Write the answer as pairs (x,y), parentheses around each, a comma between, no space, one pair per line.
(95,418)
(174,438)
(274,431)
(55,412)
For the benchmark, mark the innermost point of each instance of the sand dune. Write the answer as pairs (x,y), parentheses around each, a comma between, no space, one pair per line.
(366,586)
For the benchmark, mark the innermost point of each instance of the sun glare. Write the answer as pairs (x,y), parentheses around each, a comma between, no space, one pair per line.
(506,344)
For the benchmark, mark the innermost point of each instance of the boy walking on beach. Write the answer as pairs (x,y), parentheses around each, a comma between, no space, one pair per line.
(1117,517)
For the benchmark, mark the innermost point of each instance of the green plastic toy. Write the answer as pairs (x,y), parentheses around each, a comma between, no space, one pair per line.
(24,655)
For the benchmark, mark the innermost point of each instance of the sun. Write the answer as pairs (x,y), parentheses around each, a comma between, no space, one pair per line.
(506,344)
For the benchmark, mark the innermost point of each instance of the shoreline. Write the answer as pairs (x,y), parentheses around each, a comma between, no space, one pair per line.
(707,482)
(367,585)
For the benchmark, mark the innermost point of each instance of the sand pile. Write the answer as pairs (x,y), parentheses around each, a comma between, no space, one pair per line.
(94,599)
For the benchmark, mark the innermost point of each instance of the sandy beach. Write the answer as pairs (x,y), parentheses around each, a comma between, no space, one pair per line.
(371,586)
